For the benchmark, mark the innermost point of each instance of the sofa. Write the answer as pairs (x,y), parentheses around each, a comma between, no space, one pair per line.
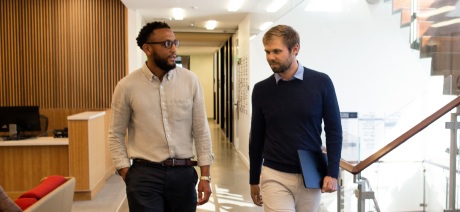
(53,193)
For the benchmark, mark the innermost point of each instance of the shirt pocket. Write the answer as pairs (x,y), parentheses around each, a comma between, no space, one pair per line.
(182,109)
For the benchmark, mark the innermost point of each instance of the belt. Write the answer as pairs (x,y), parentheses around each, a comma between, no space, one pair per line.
(169,162)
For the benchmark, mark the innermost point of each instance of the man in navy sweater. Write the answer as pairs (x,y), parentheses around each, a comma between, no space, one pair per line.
(288,109)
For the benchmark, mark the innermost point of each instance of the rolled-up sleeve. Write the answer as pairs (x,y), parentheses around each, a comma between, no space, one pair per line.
(201,132)
(120,116)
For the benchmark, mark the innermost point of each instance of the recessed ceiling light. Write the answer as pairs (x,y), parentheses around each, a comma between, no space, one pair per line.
(211,24)
(178,13)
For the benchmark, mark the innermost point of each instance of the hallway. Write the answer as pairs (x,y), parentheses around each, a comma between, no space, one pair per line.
(230,184)
(230,177)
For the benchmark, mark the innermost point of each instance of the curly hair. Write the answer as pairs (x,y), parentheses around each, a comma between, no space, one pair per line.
(288,34)
(148,29)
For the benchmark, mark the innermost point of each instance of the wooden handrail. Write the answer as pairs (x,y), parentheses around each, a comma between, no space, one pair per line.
(356,169)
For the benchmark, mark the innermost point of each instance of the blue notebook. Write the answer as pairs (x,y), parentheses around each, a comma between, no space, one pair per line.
(314,168)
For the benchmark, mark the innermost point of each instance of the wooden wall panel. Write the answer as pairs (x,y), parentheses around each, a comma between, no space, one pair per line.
(58,117)
(65,54)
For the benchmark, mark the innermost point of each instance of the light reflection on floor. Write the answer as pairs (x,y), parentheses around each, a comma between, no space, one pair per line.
(230,177)
(222,201)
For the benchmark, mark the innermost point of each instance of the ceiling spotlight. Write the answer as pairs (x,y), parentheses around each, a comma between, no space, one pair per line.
(178,13)
(211,24)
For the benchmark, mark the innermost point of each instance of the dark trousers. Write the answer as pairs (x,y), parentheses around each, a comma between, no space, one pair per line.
(156,188)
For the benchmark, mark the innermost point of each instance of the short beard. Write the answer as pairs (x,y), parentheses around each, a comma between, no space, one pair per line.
(163,63)
(282,68)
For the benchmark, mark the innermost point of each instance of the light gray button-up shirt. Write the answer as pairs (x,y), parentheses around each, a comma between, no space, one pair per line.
(163,118)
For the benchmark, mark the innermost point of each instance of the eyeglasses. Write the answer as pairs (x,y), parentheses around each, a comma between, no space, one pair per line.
(167,43)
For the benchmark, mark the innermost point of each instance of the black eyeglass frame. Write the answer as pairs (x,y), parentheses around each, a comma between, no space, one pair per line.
(167,43)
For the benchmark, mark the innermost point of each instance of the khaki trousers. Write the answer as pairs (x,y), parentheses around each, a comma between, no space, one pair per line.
(285,192)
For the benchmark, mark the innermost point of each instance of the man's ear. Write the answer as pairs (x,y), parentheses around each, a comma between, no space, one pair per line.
(147,49)
(296,49)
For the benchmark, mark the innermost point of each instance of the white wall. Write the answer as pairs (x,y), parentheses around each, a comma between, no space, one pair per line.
(374,71)
(202,66)
(243,119)
(135,55)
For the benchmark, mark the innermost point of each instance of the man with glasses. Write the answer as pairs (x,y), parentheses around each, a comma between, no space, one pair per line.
(161,108)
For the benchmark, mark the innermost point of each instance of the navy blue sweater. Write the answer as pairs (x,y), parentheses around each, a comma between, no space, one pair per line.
(288,116)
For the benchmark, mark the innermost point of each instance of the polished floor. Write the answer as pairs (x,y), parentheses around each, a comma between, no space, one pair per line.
(230,178)
(230,184)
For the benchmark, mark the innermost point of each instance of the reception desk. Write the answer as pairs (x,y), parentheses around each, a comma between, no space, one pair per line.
(24,163)
(87,153)
(84,155)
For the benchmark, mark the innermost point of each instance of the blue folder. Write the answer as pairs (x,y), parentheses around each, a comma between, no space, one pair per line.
(314,168)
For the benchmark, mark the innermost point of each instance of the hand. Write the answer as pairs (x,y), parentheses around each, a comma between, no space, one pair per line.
(329,185)
(204,192)
(255,195)
(122,172)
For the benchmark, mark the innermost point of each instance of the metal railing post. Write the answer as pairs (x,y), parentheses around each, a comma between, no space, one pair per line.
(340,193)
(453,126)
(362,194)
(359,193)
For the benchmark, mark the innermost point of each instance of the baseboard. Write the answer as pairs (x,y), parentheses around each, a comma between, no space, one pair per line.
(244,159)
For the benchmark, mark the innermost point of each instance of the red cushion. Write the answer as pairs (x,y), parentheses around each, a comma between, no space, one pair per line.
(45,187)
(24,203)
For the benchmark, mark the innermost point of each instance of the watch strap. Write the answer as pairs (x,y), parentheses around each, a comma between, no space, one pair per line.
(207,178)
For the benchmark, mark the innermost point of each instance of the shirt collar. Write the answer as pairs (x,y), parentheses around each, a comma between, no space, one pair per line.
(298,74)
(149,75)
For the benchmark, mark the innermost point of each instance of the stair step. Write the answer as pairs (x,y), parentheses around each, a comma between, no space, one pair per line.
(404,7)
(425,4)
(406,16)
(440,45)
(443,44)
(442,62)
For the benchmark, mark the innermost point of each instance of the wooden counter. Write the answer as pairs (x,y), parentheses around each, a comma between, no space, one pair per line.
(24,163)
(84,155)
(87,153)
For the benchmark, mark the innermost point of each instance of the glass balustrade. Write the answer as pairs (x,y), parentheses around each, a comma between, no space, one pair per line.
(421,174)
(413,177)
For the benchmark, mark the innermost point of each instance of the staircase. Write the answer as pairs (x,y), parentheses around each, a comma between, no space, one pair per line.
(435,29)
(435,32)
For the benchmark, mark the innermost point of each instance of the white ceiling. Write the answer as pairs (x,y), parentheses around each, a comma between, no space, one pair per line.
(191,30)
